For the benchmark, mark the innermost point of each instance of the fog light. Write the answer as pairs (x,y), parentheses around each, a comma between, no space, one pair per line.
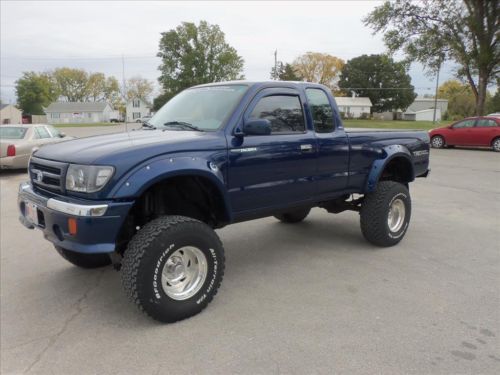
(72,226)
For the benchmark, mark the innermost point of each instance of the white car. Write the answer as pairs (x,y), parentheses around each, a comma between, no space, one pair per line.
(17,143)
(496,114)
(143,119)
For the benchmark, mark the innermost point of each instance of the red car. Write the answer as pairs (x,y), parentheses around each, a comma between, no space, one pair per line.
(481,131)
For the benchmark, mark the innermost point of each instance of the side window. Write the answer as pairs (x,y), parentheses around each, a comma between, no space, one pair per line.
(41,132)
(321,110)
(283,111)
(53,131)
(486,123)
(464,124)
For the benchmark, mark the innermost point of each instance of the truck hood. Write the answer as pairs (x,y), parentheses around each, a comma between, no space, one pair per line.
(115,148)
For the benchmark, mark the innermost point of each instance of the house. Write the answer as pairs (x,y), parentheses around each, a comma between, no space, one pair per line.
(78,112)
(422,109)
(354,107)
(9,114)
(136,109)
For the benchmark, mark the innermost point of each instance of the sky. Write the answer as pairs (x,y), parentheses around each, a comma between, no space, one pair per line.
(94,35)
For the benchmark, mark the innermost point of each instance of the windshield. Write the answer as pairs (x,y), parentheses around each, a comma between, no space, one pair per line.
(12,132)
(205,108)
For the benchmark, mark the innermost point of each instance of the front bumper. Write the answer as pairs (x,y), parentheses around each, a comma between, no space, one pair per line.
(97,223)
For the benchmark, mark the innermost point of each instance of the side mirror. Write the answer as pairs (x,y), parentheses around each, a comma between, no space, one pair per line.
(257,127)
(62,135)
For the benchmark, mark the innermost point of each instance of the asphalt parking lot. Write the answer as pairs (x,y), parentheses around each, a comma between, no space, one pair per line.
(307,298)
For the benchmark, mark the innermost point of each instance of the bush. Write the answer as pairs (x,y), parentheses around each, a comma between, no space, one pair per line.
(364,116)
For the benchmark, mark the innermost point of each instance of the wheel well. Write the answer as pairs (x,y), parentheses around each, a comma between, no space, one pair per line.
(192,196)
(493,140)
(398,169)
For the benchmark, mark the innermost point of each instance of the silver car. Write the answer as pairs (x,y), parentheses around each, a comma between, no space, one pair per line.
(17,143)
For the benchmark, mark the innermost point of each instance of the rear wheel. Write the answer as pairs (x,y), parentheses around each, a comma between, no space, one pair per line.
(173,267)
(496,144)
(294,216)
(385,214)
(437,141)
(84,260)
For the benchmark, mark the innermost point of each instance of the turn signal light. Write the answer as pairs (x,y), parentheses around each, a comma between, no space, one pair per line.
(72,228)
(11,150)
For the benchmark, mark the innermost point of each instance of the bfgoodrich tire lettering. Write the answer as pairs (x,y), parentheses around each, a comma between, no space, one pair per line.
(145,259)
(389,206)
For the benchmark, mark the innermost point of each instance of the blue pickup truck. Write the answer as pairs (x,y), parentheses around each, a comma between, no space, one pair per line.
(148,201)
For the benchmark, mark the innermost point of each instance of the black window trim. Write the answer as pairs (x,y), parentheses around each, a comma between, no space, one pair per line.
(334,118)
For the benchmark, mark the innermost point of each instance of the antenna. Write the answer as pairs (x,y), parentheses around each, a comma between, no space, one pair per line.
(276,76)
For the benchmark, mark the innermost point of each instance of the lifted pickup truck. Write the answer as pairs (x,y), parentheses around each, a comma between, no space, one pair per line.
(148,201)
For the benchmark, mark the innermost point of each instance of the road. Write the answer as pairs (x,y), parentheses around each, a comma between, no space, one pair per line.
(307,298)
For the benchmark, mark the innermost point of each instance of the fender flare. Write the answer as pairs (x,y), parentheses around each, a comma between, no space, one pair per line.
(389,153)
(133,184)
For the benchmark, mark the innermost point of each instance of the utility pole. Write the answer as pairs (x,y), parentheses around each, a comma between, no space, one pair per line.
(276,76)
(124,91)
(436,94)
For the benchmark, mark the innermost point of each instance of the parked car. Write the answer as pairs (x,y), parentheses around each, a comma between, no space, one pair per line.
(496,114)
(148,201)
(481,131)
(143,119)
(17,142)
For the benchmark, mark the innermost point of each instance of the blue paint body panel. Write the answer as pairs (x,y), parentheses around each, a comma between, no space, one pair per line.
(256,175)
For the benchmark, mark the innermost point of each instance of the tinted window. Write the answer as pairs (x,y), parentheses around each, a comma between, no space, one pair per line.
(464,124)
(321,110)
(485,123)
(283,111)
(41,132)
(11,132)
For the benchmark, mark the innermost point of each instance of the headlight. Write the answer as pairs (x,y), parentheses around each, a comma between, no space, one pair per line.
(87,178)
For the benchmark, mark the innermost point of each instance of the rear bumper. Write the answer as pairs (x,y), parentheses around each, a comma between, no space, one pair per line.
(97,223)
(14,162)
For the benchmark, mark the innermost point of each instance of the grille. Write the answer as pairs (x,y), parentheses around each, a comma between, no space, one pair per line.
(48,174)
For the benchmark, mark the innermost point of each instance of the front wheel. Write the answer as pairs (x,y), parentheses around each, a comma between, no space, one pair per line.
(385,214)
(437,141)
(496,144)
(84,260)
(173,267)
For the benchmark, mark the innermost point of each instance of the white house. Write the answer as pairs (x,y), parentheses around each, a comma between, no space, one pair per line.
(354,107)
(137,108)
(78,112)
(9,114)
(422,109)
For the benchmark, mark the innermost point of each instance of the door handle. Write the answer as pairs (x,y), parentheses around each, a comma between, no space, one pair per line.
(306,148)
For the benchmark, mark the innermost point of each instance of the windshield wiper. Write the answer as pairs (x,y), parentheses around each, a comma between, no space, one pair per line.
(147,125)
(185,125)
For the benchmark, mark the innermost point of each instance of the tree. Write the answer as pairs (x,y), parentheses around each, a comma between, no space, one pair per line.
(319,67)
(432,31)
(380,78)
(35,91)
(493,105)
(461,100)
(284,72)
(193,55)
(161,99)
(138,87)
(72,84)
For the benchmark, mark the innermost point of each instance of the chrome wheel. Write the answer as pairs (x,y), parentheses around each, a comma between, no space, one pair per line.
(496,144)
(437,141)
(396,216)
(184,273)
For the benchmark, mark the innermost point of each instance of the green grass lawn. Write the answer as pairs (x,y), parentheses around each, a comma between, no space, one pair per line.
(78,125)
(380,124)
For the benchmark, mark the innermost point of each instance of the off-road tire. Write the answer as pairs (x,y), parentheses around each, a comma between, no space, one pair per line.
(438,141)
(375,212)
(146,255)
(295,216)
(84,260)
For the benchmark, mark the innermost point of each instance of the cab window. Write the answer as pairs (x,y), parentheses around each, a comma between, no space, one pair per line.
(283,111)
(41,132)
(486,123)
(464,124)
(321,110)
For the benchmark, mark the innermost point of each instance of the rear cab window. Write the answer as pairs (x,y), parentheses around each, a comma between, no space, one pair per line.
(321,110)
(284,112)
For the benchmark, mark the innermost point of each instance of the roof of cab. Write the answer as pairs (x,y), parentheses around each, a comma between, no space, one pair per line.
(261,83)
